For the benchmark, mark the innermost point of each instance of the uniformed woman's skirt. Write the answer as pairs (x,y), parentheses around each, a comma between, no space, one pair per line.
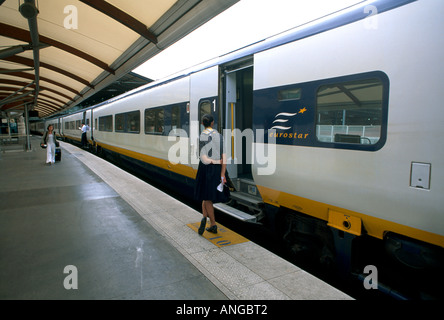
(207,179)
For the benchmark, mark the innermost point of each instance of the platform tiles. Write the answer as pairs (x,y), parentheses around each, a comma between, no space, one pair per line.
(241,271)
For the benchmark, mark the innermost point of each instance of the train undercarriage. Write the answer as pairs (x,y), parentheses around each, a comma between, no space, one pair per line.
(397,266)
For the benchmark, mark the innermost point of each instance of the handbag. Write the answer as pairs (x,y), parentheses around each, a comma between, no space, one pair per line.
(229,183)
(223,193)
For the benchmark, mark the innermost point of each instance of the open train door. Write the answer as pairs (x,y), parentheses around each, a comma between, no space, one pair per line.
(237,83)
(237,99)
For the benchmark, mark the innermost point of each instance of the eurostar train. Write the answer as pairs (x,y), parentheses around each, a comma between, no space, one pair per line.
(334,132)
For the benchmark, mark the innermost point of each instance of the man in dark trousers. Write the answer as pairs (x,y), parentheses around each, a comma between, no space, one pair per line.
(84,129)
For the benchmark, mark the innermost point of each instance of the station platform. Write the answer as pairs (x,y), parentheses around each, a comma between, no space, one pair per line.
(84,229)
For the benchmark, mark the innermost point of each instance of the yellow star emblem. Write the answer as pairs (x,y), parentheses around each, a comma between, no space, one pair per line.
(302,110)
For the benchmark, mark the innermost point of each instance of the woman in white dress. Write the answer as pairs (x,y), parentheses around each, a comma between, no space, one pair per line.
(49,139)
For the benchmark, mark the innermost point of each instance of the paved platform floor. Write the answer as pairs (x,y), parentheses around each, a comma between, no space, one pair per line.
(64,214)
(126,239)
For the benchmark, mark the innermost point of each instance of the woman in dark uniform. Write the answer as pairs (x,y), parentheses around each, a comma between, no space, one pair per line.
(211,172)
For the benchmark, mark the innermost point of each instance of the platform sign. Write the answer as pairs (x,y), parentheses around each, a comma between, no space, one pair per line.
(224,237)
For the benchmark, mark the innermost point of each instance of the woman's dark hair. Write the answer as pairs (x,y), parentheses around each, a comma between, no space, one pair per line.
(50,125)
(207,120)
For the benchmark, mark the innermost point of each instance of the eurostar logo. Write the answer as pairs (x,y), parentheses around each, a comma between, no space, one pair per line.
(281,119)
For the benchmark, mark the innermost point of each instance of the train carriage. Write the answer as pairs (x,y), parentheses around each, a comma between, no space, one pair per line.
(71,126)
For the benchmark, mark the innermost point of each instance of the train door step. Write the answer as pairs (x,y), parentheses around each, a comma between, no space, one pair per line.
(246,199)
(238,214)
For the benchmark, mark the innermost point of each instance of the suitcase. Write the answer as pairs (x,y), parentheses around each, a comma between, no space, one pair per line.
(58,154)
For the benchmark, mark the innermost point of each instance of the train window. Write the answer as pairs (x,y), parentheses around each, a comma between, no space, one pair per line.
(204,108)
(132,122)
(128,122)
(119,122)
(106,123)
(290,94)
(78,124)
(175,118)
(154,121)
(350,112)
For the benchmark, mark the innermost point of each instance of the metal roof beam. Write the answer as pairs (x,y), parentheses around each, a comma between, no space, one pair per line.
(31,77)
(50,103)
(13,50)
(20,90)
(19,83)
(12,99)
(15,105)
(3,71)
(122,17)
(48,106)
(23,35)
(53,100)
(29,62)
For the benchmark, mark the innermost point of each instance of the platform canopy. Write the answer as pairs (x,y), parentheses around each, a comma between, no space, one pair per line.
(54,54)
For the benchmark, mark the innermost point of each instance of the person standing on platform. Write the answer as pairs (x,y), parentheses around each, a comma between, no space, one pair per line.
(84,129)
(210,173)
(49,139)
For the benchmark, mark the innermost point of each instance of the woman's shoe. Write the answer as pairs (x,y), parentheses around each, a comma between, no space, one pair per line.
(212,229)
(203,223)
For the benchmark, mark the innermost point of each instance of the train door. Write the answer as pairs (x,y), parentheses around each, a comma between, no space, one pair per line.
(237,97)
(87,119)
(204,99)
(91,126)
(237,80)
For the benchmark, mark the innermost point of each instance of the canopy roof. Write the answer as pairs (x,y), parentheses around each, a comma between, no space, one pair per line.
(75,48)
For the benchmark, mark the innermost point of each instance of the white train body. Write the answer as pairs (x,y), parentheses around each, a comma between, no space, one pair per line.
(407,45)
(152,147)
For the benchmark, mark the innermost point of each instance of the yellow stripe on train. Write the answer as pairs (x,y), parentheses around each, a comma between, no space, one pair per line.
(345,220)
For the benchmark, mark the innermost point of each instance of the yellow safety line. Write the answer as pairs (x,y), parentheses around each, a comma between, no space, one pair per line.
(223,238)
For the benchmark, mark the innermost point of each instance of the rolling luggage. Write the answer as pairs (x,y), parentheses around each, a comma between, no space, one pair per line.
(58,154)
